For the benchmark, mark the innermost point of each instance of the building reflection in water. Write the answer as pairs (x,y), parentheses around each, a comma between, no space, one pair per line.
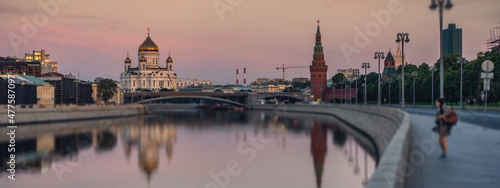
(318,149)
(150,136)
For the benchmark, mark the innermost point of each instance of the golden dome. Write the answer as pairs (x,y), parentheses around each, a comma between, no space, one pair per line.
(127,60)
(169,59)
(148,45)
(142,58)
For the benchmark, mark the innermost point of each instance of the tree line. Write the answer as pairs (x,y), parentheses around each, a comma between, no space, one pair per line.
(472,83)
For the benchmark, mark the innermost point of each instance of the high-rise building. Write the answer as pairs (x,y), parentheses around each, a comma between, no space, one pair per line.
(398,58)
(452,40)
(318,70)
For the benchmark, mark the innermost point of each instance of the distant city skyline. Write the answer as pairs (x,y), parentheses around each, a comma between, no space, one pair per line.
(208,40)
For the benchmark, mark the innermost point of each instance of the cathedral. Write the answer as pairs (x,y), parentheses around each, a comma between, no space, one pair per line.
(148,74)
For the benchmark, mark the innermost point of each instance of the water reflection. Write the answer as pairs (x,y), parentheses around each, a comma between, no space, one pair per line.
(152,140)
(318,149)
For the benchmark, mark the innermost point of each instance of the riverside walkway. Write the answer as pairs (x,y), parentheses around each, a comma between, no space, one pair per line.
(473,156)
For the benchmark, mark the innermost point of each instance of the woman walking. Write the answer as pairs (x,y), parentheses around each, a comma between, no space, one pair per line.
(443,126)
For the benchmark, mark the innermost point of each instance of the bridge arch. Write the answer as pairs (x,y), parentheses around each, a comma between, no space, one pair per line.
(171,99)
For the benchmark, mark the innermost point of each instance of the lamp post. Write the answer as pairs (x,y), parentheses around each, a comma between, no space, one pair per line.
(414,74)
(399,88)
(379,55)
(349,94)
(365,66)
(356,86)
(433,6)
(403,38)
(334,94)
(389,81)
(461,61)
(341,91)
(432,85)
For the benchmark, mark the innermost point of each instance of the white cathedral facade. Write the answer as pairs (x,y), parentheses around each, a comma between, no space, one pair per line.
(148,75)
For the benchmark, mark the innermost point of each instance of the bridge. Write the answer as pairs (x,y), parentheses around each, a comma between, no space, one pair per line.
(245,98)
(189,100)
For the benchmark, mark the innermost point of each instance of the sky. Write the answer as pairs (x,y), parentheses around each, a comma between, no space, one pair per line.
(210,39)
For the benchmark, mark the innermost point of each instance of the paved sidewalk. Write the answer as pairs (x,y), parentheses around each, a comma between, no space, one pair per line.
(473,156)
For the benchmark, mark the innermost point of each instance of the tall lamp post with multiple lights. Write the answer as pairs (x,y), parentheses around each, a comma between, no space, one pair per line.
(399,89)
(433,6)
(365,66)
(432,69)
(379,55)
(403,38)
(414,74)
(389,81)
(461,61)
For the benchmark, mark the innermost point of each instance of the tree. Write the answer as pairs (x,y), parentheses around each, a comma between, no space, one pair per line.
(337,80)
(106,89)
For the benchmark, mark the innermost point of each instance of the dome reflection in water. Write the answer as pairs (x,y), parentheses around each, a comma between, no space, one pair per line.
(194,149)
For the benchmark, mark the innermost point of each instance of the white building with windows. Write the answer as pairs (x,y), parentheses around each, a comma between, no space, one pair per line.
(148,74)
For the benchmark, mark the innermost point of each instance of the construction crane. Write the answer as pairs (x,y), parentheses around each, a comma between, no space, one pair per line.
(170,80)
(283,68)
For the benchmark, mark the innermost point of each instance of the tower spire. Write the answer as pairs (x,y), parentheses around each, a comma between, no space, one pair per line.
(318,32)
(127,53)
(148,30)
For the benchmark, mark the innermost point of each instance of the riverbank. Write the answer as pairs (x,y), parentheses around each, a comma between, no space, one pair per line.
(69,113)
(388,128)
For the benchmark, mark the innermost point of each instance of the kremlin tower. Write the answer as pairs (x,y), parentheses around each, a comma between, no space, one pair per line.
(318,70)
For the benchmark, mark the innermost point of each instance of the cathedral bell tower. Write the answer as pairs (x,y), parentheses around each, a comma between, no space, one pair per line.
(128,62)
(170,62)
(318,70)
(142,63)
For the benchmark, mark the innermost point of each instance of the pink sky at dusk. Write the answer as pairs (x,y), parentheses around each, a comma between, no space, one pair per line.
(93,36)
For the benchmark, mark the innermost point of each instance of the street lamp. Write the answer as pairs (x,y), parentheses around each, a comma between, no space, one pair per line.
(461,61)
(433,6)
(365,66)
(432,69)
(414,74)
(399,88)
(379,55)
(403,37)
(341,91)
(334,94)
(356,86)
(389,81)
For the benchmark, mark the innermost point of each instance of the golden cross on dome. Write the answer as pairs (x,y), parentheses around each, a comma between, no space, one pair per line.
(169,53)
(148,30)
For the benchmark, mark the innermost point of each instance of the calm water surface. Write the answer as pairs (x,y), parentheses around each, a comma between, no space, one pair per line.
(191,150)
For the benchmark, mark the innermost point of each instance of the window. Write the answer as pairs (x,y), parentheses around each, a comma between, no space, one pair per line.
(134,83)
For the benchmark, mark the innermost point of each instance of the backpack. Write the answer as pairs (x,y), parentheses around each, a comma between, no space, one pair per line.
(451,118)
